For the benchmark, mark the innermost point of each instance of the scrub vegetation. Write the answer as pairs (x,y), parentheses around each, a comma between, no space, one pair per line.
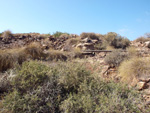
(43,73)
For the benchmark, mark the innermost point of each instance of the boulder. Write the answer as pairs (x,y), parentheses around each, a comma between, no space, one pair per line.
(88,44)
(94,41)
(147,43)
(86,40)
(146,92)
(80,45)
(141,85)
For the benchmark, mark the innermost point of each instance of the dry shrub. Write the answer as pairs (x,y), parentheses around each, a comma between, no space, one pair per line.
(57,34)
(7,61)
(70,43)
(142,39)
(108,47)
(73,41)
(56,55)
(102,45)
(120,42)
(19,54)
(89,35)
(117,41)
(115,58)
(43,36)
(64,35)
(7,34)
(133,69)
(9,58)
(75,53)
(132,52)
(34,51)
(4,84)
(110,36)
(5,81)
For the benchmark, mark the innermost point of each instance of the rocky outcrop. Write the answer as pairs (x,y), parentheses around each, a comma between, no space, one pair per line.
(87,43)
(19,40)
(143,48)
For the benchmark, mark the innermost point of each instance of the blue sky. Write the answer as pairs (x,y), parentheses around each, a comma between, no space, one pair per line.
(129,18)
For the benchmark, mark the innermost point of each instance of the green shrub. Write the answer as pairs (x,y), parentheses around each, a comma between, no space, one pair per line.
(30,76)
(71,75)
(44,99)
(35,89)
(102,97)
(66,87)
(115,58)
(38,88)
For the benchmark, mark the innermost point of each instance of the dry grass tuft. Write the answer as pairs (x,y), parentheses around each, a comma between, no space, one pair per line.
(7,61)
(142,39)
(115,58)
(56,55)
(64,35)
(132,52)
(7,34)
(34,51)
(134,68)
(9,58)
(76,53)
(89,35)
(108,47)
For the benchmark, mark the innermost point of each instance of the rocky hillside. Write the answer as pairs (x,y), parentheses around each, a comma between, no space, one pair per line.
(108,57)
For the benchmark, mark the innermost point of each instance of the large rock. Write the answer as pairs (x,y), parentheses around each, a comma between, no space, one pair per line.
(87,44)
(147,43)
(141,85)
(146,92)
(85,40)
